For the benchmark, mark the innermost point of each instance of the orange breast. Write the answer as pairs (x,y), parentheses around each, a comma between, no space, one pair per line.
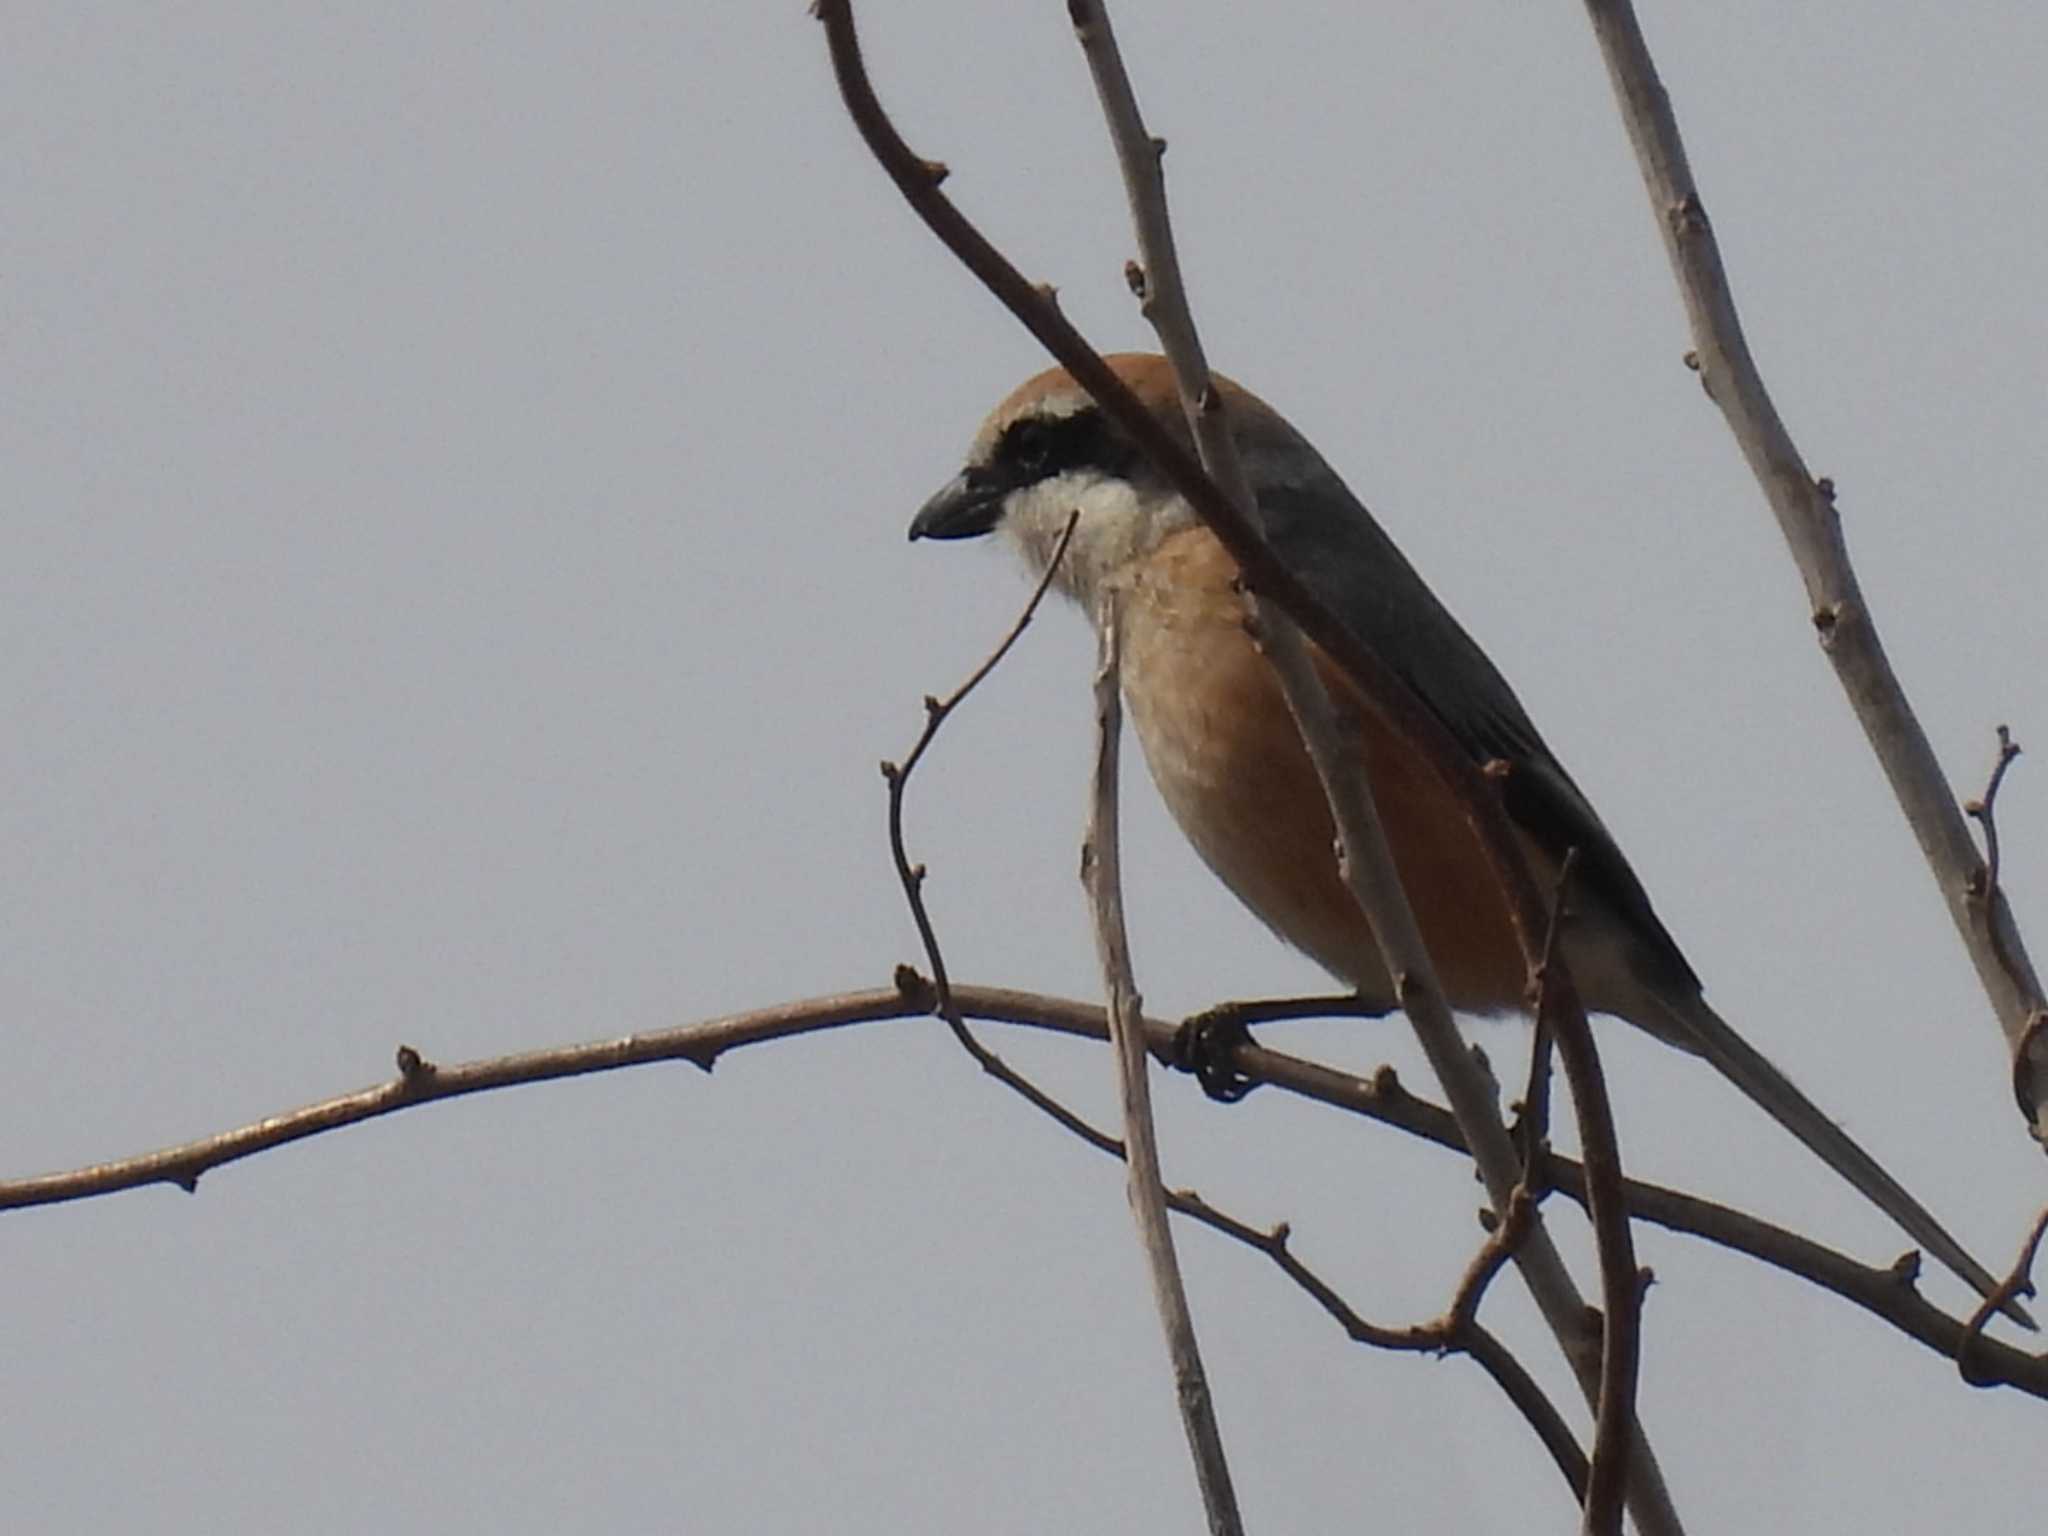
(1230,765)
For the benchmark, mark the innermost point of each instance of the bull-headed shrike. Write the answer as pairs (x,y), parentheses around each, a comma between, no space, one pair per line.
(1229,761)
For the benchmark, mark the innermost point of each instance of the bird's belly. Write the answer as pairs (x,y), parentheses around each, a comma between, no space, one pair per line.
(1229,762)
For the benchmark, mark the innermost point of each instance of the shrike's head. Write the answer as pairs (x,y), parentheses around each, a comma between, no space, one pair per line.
(1049,451)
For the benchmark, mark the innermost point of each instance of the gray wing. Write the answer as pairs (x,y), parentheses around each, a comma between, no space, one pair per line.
(1347,560)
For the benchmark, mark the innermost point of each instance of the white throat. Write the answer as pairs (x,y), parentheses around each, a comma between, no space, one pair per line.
(1119,525)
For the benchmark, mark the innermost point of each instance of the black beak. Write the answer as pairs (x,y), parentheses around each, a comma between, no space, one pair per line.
(967,506)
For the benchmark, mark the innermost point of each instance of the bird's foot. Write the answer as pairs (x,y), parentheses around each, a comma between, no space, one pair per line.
(1207,1044)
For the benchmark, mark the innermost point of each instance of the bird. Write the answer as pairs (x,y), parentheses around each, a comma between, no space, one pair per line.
(1229,762)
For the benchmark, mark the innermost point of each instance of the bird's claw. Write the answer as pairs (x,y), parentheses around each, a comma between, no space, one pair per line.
(1206,1044)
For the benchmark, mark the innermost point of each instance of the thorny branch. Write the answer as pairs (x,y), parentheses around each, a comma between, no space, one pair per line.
(1887,1293)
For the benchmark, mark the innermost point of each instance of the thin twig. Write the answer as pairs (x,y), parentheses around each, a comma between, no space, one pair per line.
(2017,1283)
(936,710)
(1102,874)
(1467,1338)
(1812,529)
(1984,810)
(911,875)
(1508,1234)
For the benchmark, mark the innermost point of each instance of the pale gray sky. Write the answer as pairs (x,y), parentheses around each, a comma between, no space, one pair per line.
(454,591)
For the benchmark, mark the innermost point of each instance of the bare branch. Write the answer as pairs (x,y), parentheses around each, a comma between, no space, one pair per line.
(420,1081)
(1102,874)
(1466,1337)
(2018,1282)
(1508,1234)
(1366,862)
(1887,1294)
(936,710)
(1805,510)
(911,876)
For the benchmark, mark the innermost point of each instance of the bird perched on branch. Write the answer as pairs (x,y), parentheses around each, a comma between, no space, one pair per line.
(1227,757)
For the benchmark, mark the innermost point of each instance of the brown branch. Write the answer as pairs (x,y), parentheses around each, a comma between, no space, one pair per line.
(911,875)
(1467,1337)
(422,1082)
(1887,1294)
(1812,529)
(936,711)
(1243,1012)
(1507,1235)
(2017,1283)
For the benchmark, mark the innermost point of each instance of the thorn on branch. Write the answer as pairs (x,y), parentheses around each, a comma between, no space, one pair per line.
(1688,216)
(936,171)
(414,1070)
(1824,488)
(914,989)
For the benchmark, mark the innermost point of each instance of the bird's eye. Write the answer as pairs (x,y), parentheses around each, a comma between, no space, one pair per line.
(1029,446)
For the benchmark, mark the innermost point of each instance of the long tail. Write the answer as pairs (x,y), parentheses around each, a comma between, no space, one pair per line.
(1748,1069)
